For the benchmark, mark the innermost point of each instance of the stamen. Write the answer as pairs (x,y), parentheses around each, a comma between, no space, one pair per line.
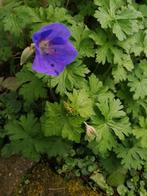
(44,46)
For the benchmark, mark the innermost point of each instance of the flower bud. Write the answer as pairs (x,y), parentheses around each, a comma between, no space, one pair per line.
(27,52)
(90,132)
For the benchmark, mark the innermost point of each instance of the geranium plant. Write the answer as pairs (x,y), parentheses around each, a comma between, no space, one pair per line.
(80,93)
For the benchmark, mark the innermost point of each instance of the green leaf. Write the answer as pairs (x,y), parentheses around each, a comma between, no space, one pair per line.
(86,48)
(137,81)
(110,122)
(18,18)
(32,88)
(123,190)
(82,40)
(5,51)
(25,127)
(122,59)
(118,32)
(117,177)
(57,122)
(99,179)
(19,147)
(141,132)
(132,157)
(110,163)
(81,103)
(145,44)
(143,8)
(103,17)
(110,108)
(95,86)
(8,83)
(72,77)
(50,14)
(103,53)
(99,36)
(79,32)
(133,107)
(58,147)
(123,20)
(11,104)
(27,139)
(130,45)
(135,44)
(104,142)
(53,146)
(59,14)
(109,51)
(119,73)
(24,134)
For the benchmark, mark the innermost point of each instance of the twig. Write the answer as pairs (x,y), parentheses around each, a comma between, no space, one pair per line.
(54,189)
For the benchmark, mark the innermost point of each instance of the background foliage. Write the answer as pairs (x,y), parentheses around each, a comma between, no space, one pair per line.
(92,117)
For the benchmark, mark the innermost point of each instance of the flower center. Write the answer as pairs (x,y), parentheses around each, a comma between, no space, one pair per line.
(45,47)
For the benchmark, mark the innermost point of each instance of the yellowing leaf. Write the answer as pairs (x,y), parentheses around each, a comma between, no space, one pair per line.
(81,103)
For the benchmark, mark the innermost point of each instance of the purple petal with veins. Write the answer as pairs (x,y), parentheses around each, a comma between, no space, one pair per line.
(53,49)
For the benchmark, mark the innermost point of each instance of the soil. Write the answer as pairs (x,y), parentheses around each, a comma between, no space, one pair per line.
(11,172)
(21,177)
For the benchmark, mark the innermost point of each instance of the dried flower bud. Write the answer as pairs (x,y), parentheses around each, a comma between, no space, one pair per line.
(27,52)
(68,108)
(90,132)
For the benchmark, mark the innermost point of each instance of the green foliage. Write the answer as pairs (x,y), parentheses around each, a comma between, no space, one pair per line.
(83,43)
(27,139)
(64,125)
(23,133)
(72,77)
(117,177)
(141,132)
(109,51)
(17,20)
(135,44)
(123,20)
(138,81)
(10,105)
(77,166)
(31,88)
(81,103)
(110,122)
(132,156)
(135,184)
(92,117)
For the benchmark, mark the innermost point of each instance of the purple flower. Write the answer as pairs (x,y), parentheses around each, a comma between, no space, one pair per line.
(53,49)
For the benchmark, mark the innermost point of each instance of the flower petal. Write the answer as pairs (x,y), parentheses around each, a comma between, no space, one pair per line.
(58,53)
(45,65)
(51,31)
(64,54)
(57,41)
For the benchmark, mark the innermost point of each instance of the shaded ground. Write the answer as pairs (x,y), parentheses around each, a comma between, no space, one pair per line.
(20,177)
(11,172)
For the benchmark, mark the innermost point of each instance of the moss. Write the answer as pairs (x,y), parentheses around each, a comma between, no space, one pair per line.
(42,181)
